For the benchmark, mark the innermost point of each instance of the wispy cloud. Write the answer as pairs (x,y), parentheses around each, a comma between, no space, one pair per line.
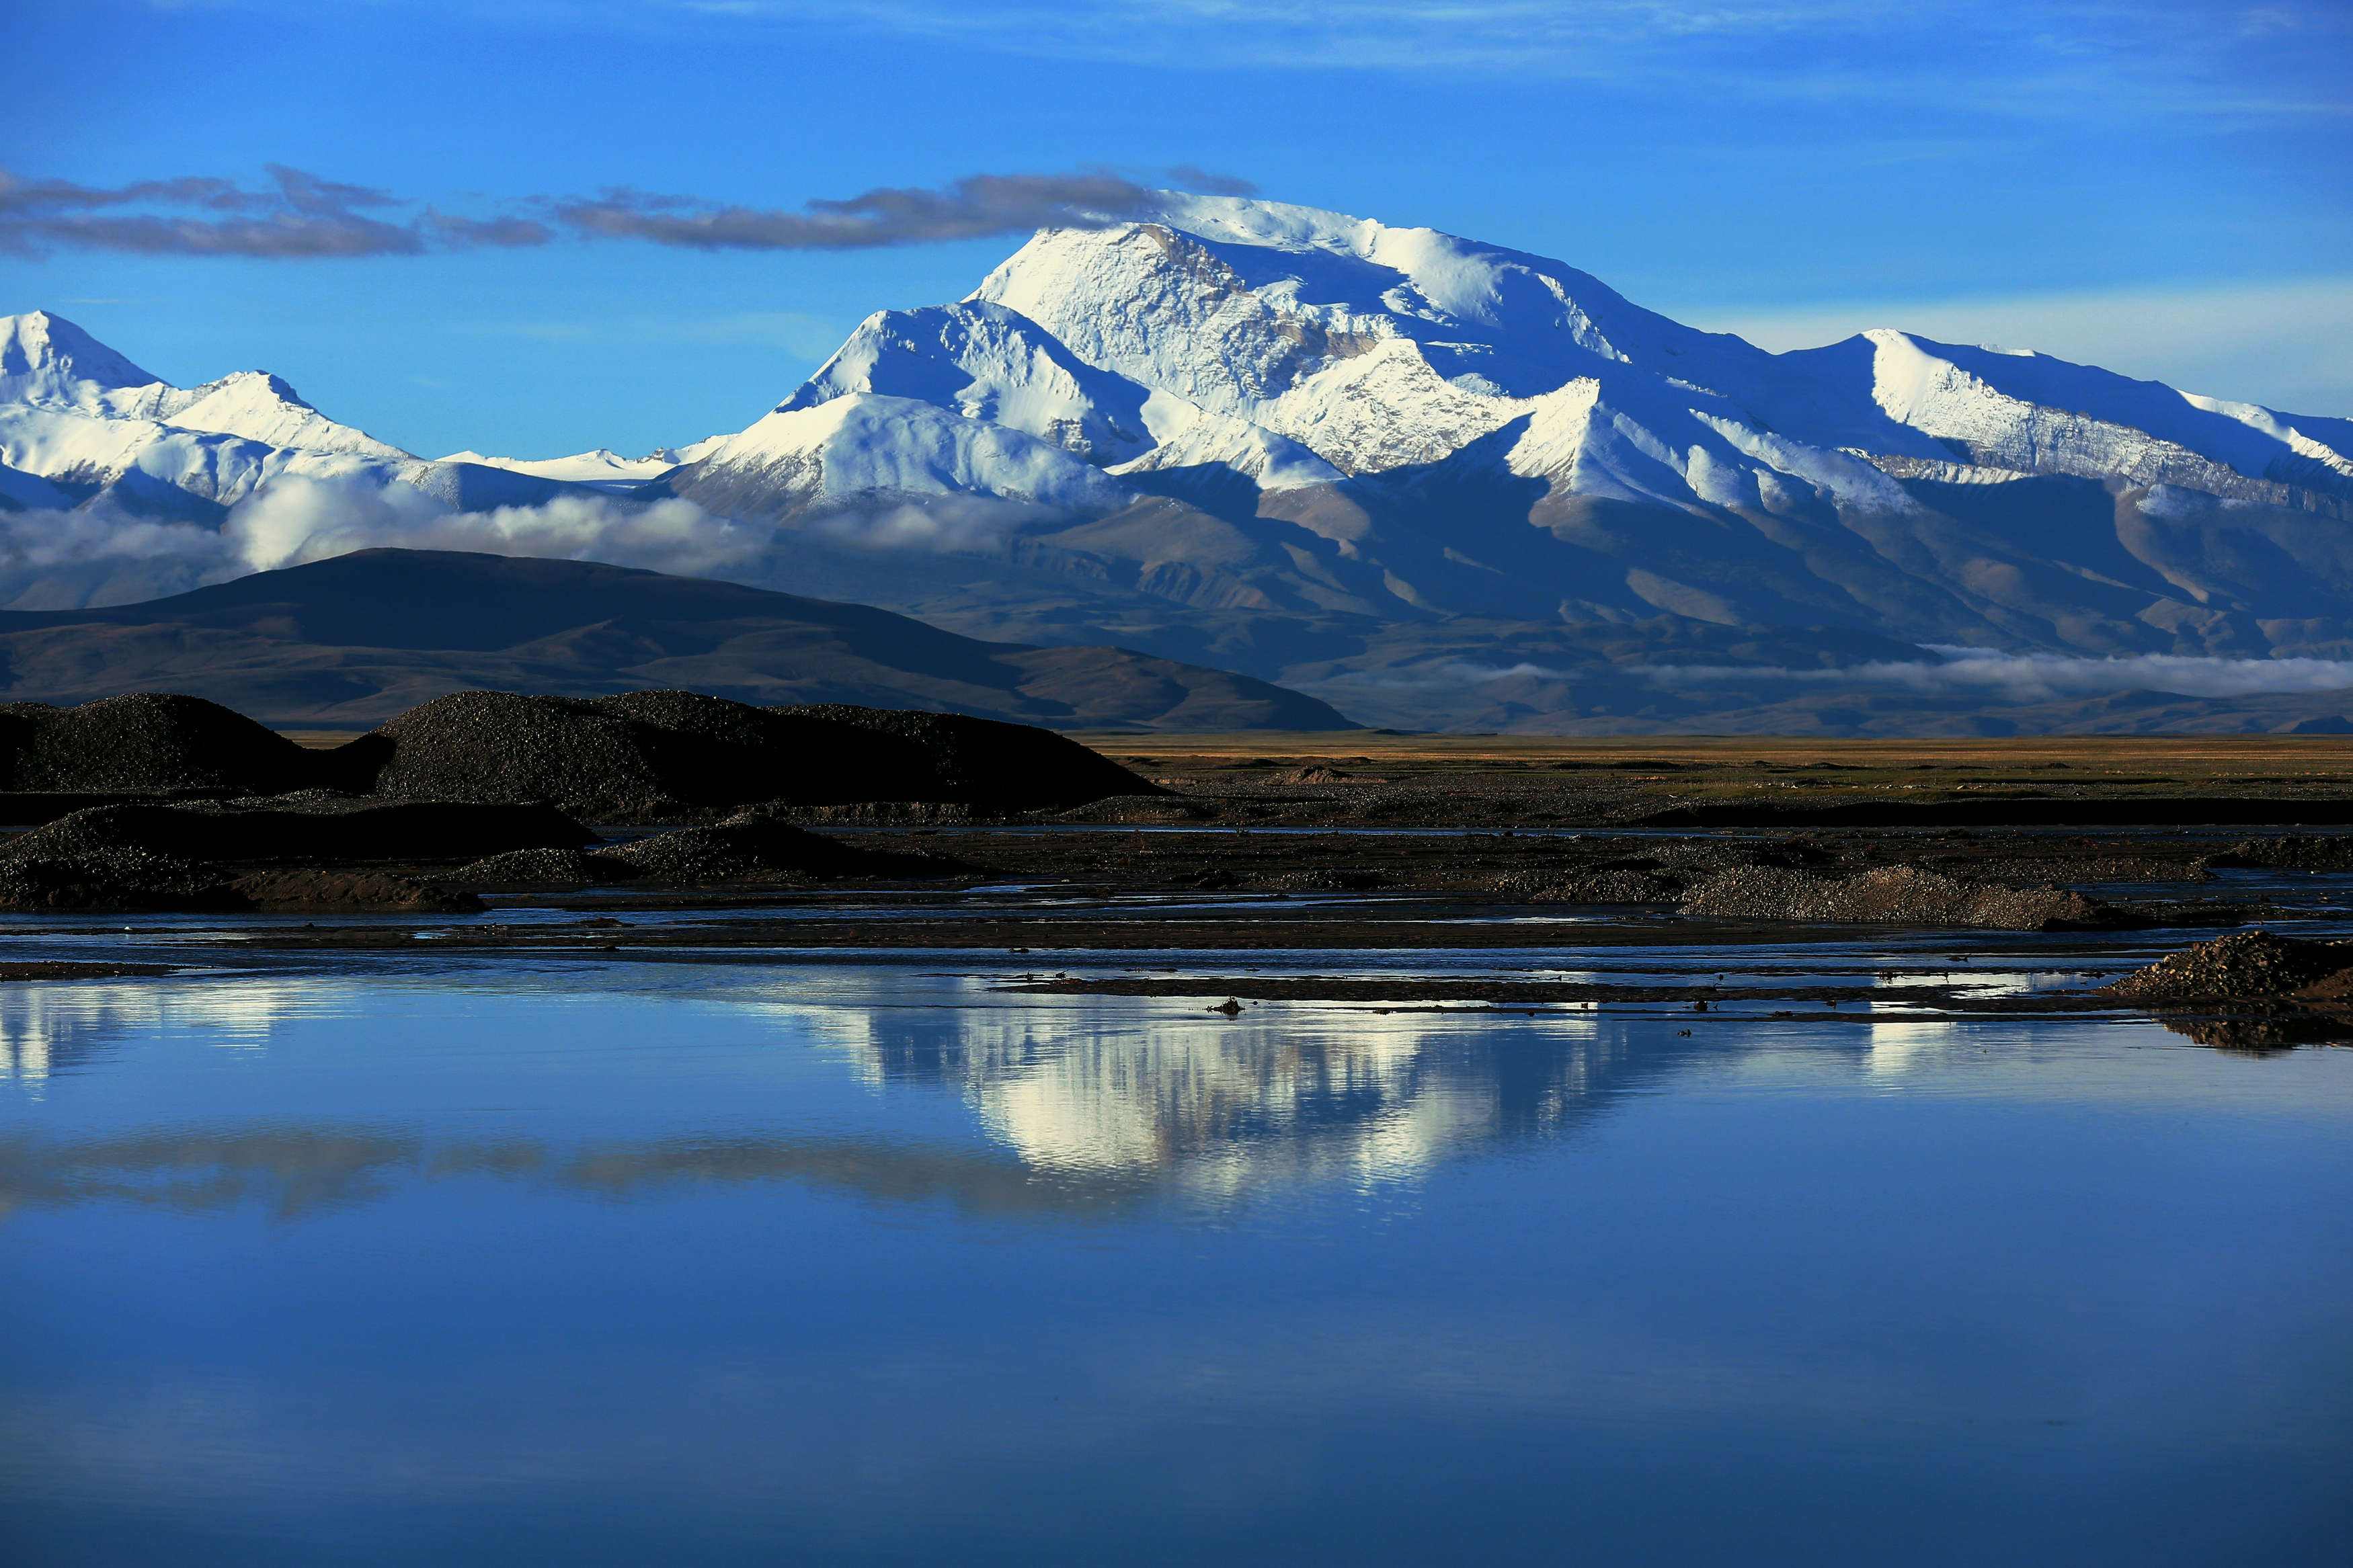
(2213,62)
(2056,60)
(301,216)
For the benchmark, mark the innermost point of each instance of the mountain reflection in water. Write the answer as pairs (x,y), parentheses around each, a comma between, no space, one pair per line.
(1079,1115)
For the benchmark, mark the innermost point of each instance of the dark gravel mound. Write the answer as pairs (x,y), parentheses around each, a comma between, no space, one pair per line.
(316,799)
(544,869)
(2292,852)
(148,741)
(2249,966)
(1621,885)
(309,890)
(752,847)
(646,754)
(500,746)
(1889,895)
(882,814)
(2267,1033)
(984,762)
(166,858)
(92,878)
(424,830)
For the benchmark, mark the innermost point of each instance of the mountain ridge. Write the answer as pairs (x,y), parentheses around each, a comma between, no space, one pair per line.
(1261,433)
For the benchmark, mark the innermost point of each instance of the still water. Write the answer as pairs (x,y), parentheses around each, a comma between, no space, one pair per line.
(749,1262)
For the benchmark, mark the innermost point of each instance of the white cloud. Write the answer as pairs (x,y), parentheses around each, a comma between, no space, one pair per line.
(97,556)
(63,560)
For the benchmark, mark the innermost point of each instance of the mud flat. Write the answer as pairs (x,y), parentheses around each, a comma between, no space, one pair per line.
(1686,784)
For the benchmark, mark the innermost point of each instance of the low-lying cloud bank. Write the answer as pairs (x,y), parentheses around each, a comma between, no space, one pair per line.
(1975,672)
(95,556)
(2040,676)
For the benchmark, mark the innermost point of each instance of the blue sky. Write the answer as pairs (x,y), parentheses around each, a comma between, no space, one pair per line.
(2166,188)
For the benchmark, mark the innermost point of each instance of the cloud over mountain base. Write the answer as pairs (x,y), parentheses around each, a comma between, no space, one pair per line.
(98,555)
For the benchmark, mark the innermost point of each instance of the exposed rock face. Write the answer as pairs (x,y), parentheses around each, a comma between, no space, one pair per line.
(2248,966)
(1889,895)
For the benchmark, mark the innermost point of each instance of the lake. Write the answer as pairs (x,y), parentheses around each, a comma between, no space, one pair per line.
(777,1260)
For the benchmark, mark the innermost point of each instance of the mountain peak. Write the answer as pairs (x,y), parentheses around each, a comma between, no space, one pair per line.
(862,446)
(44,358)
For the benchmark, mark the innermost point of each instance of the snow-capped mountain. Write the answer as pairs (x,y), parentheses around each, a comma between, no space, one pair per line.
(602,468)
(865,447)
(1372,348)
(1292,348)
(79,423)
(1302,412)
(1259,433)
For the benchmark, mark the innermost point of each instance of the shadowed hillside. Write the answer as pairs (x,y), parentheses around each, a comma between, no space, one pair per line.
(351,640)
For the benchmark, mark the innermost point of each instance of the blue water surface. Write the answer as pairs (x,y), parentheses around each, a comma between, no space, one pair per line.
(785,1262)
